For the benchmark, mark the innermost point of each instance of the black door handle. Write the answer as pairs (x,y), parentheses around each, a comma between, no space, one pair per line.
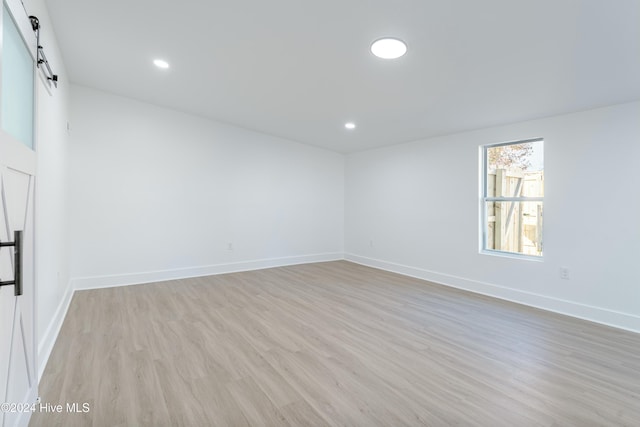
(17,265)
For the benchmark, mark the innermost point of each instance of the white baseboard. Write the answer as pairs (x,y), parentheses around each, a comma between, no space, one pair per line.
(81,283)
(604,316)
(45,346)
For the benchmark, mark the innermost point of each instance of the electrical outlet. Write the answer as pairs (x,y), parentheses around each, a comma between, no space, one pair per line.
(564,273)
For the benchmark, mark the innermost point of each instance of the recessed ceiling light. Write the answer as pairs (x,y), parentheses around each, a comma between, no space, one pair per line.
(350,125)
(388,48)
(160,63)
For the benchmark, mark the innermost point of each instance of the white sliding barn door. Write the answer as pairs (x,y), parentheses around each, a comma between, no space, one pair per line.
(18,374)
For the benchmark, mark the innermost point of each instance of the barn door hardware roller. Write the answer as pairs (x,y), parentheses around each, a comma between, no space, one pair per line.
(17,264)
(41,57)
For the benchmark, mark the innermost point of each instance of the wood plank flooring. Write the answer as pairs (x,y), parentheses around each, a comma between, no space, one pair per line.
(332,344)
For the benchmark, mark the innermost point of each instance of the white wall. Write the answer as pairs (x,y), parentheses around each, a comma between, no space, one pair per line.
(158,194)
(52,243)
(419,204)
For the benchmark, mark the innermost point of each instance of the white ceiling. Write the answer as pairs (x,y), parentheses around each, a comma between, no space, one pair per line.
(300,69)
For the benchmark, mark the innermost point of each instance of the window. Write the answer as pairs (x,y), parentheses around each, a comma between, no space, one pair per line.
(16,85)
(513,197)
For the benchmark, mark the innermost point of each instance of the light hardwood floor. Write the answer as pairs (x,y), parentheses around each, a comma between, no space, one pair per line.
(332,344)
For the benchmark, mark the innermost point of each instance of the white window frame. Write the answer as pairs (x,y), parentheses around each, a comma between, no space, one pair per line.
(484,199)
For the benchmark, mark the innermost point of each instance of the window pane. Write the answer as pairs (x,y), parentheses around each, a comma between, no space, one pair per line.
(514,227)
(17,83)
(515,170)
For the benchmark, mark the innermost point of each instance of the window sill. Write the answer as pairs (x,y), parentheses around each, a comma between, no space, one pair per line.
(512,255)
